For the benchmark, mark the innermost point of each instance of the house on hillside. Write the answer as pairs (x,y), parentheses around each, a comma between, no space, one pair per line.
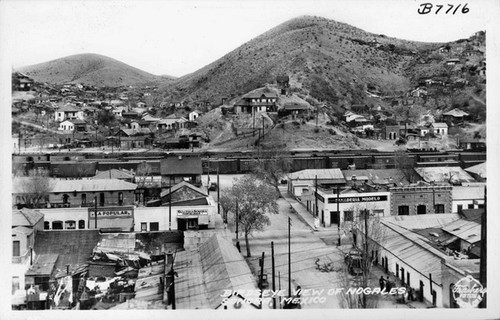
(257,102)
(283,83)
(193,115)
(73,126)
(68,112)
(21,82)
(439,128)
(455,116)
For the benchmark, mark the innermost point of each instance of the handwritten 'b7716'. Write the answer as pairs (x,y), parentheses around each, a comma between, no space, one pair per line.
(428,7)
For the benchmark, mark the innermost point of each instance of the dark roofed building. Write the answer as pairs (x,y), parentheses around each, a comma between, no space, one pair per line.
(178,169)
(183,194)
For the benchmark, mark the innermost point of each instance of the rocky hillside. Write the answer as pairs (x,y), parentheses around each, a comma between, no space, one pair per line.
(332,61)
(90,69)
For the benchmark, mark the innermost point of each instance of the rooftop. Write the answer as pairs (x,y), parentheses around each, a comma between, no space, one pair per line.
(444,174)
(456,113)
(321,174)
(114,174)
(44,265)
(91,185)
(479,169)
(468,193)
(26,217)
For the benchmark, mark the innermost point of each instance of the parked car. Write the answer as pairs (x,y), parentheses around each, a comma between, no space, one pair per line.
(354,261)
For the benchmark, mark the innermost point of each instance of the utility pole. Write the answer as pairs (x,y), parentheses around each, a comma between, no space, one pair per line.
(172,275)
(365,272)
(273,273)
(338,214)
(208,176)
(289,261)
(316,197)
(262,128)
(279,286)
(482,260)
(95,211)
(253,112)
(434,196)
(237,219)
(261,263)
(170,203)
(218,195)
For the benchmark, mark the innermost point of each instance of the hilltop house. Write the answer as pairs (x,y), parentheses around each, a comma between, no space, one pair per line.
(283,83)
(257,102)
(193,115)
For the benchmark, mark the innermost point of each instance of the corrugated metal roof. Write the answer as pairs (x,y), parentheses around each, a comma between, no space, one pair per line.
(423,221)
(92,185)
(466,230)
(412,249)
(113,174)
(26,217)
(479,169)
(310,174)
(442,174)
(44,265)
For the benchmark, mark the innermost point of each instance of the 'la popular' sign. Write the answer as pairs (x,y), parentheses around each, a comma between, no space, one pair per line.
(111,213)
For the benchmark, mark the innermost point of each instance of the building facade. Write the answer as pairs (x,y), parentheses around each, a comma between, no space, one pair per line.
(413,200)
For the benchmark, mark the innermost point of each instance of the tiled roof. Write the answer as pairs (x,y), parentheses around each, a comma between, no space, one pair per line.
(181,165)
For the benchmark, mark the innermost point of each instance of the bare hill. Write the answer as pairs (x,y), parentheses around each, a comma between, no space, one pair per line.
(330,60)
(90,69)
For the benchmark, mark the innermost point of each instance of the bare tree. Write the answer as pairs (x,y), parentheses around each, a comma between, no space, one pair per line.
(33,188)
(273,165)
(144,170)
(405,164)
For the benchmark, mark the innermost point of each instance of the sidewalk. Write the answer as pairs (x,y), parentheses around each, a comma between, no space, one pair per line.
(300,210)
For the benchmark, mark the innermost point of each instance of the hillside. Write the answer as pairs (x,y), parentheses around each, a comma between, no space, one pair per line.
(90,69)
(329,60)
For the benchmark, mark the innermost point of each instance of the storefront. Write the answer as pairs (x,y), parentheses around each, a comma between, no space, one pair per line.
(111,218)
(346,206)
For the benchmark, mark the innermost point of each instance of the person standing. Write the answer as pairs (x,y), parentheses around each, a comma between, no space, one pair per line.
(381,282)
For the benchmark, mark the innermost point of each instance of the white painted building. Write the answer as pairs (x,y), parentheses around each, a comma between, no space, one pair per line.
(66,126)
(467,197)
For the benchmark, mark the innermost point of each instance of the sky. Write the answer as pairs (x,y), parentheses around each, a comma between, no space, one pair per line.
(179,37)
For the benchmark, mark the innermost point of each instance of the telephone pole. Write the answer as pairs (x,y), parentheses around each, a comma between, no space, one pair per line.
(261,263)
(289,261)
(273,274)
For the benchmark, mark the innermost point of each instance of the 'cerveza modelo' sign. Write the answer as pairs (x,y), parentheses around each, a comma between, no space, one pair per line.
(357,199)
(112,212)
(190,212)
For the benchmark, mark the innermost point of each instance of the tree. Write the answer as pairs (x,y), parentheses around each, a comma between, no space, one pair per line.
(405,164)
(408,114)
(273,166)
(144,170)
(34,187)
(105,118)
(254,200)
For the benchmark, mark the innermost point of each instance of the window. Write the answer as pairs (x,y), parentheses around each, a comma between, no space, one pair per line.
(81,224)
(57,225)
(84,198)
(378,212)
(397,270)
(70,224)
(65,198)
(46,225)
(120,198)
(154,226)
(16,248)
(439,208)
(144,227)
(15,284)
(348,215)
(421,209)
(403,210)
(470,206)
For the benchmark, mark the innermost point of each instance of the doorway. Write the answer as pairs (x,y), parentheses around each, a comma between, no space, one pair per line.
(334,217)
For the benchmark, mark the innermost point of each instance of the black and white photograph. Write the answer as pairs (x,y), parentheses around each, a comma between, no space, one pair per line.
(226,159)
